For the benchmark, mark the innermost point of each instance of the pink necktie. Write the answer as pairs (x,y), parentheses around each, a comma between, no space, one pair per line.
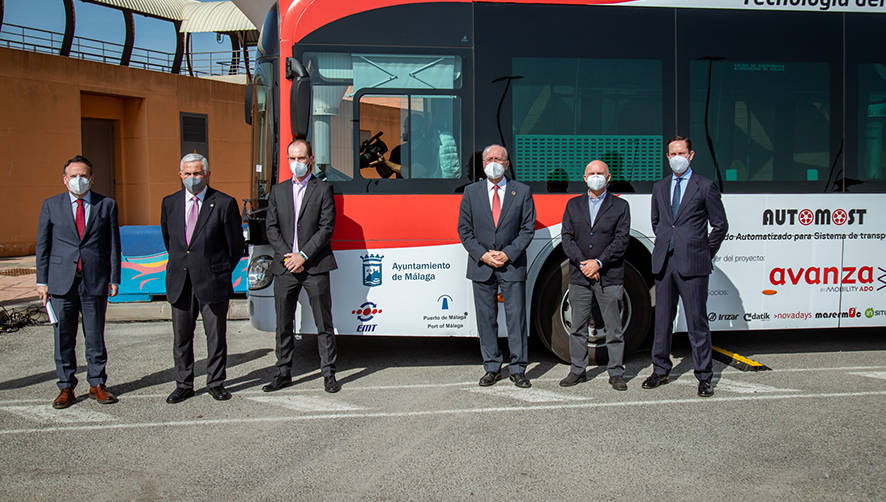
(192,218)
(496,205)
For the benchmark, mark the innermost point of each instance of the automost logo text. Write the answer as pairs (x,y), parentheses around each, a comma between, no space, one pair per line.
(845,278)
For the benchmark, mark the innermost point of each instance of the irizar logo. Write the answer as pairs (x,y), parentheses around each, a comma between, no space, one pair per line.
(807,217)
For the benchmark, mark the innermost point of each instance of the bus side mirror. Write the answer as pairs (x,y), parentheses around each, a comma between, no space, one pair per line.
(247,104)
(299,98)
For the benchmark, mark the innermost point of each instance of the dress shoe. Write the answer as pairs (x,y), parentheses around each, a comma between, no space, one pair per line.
(219,393)
(65,398)
(573,378)
(277,383)
(618,383)
(654,381)
(330,384)
(179,395)
(100,393)
(520,380)
(490,378)
(705,389)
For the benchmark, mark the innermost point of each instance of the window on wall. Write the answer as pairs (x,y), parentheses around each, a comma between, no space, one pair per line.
(568,111)
(767,120)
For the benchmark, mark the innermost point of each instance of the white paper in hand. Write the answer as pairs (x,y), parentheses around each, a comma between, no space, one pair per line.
(51,313)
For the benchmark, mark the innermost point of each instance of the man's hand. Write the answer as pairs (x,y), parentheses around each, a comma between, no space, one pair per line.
(112,289)
(492,258)
(43,293)
(500,256)
(293,262)
(591,269)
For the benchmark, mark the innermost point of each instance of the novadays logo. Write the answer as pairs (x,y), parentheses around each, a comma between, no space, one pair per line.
(372,270)
(808,217)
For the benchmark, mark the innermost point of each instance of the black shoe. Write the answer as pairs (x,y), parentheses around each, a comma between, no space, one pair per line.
(618,383)
(654,381)
(573,378)
(277,383)
(179,395)
(490,378)
(219,393)
(520,380)
(330,384)
(705,389)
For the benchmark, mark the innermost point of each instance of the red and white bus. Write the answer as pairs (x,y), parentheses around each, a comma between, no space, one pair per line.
(785,101)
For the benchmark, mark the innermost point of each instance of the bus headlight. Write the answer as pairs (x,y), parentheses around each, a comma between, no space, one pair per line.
(258,275)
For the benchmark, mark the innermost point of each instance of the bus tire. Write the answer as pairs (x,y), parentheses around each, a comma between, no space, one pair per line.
(551,322)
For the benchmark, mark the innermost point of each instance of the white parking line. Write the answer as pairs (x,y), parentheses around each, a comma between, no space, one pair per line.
(529,395)
(739,387)
(870,374)
(45,413)
(457,411)
(306,403)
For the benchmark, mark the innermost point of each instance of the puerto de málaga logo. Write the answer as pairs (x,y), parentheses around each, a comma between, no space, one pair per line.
(372,270)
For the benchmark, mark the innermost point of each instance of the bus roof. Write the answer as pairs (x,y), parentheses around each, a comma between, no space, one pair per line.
(301,18)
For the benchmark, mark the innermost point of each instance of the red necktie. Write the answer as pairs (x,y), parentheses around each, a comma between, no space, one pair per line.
(80,220)
(496,205)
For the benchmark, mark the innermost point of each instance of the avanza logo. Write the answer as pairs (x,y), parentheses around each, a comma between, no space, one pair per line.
(779,276)
(807,217)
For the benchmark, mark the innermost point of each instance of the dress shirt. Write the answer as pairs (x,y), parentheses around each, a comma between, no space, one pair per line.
(188,202)
(502,184)
(87,204)
(298,195)
(594,205)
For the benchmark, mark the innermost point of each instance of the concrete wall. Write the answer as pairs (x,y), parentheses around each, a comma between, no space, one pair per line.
(43,100)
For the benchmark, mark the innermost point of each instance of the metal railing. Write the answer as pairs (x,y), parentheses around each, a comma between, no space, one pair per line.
(203,64)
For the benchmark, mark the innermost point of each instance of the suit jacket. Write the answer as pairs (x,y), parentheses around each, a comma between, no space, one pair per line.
(216,246)
(694,247)
(606,240)
(59,247)
(316,222)
(478,234)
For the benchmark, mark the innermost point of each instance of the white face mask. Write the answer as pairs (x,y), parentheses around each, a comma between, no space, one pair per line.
(494,170)
(679,164)
(596,182)
(299,169)
(78,185)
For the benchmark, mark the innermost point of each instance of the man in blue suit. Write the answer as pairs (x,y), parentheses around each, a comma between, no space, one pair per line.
(496,223)
(78,268)
(683,205)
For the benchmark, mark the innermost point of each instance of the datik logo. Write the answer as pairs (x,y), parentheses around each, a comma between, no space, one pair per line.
(366,313)
(372,270)
(808,217)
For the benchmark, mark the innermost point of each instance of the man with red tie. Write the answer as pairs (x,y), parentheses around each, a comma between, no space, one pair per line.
(78,268)
(202,231)
(496,223)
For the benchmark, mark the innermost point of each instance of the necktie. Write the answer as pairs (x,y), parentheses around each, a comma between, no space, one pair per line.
(675,206)
(192,218)
(675,202)
(80,220)
(496,205)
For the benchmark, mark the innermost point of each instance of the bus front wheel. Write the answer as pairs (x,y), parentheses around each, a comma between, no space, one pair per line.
(552,319)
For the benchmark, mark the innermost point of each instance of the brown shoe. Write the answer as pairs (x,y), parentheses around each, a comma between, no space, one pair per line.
(100,393)
(65,398)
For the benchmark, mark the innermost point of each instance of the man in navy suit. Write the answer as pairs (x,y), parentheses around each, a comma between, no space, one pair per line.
(595,232)
(300,222)
(78,268)
(202,232)
(496,223)
(683,205)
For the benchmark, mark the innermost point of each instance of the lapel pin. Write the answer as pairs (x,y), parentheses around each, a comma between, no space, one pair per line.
(212,204)
(513,192)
